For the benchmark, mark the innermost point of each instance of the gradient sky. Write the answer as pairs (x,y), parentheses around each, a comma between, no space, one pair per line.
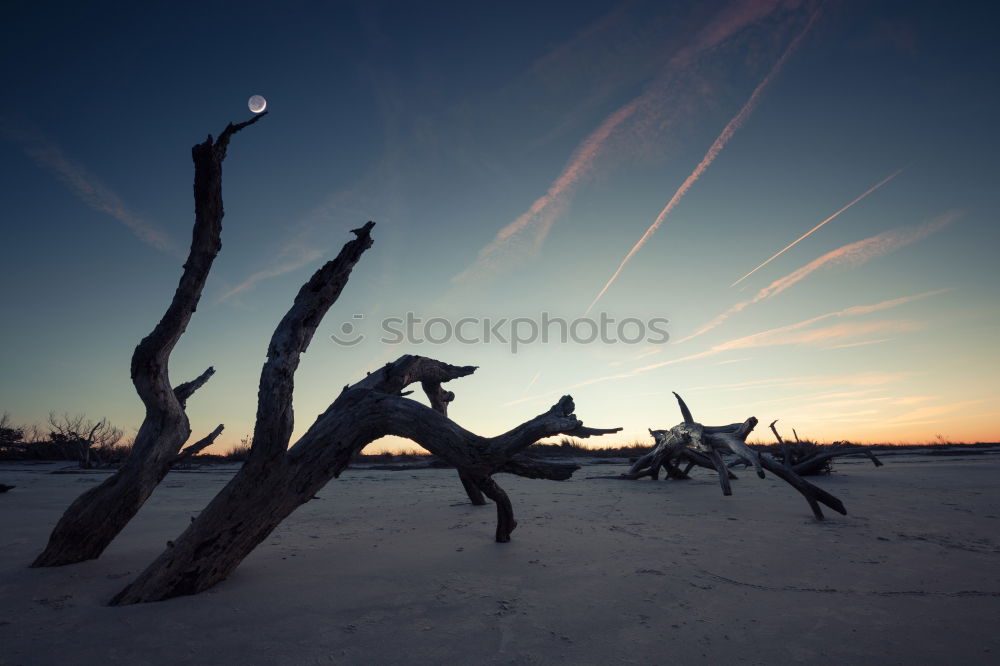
(513,156)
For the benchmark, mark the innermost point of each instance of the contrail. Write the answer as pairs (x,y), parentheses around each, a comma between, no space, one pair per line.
(87,187)
(857,252)
(816,228)
(798,333)
(553,203)
(720,142)
(648,107)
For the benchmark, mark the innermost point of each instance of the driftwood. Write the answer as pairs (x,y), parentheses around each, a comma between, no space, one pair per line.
(702,445)
(276,479)
(440,399)
(808,459)
(520,465)
(198,446)
(97,516)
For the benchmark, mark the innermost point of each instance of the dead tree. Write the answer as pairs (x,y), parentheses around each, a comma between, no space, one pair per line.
(520,464)
(809,459)
(82,439)
(199,446)
(703,445)
(440,399)
(669,453)
(97,516)
(276,479)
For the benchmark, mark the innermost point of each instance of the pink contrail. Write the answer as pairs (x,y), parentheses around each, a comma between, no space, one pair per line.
(817,227)
(543,213)
(720,142)
(857,252)
(547,207)
(798,333)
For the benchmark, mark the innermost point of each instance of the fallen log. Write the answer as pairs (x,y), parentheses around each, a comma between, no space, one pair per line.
(809,459)
(703,445)
(198,446)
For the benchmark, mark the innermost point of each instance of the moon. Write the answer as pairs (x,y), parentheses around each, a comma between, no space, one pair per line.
(257,103)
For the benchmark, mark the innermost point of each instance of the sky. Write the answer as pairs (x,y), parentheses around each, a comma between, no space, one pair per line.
(774,208)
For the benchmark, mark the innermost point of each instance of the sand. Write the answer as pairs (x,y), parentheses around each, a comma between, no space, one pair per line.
(395,567)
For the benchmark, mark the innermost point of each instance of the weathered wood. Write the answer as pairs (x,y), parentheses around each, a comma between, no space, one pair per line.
(704,444)
(97,516)
(538,469)
(813,494)
(440,399)
(786,456)
(723,471)
(258,499)
(670,451)
(817,461)
(807,459)
(276,479)
(199,446)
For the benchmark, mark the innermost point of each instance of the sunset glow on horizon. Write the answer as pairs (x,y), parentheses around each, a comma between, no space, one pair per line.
(820,178)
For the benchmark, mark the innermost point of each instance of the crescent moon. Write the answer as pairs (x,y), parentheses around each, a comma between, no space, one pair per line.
(257,104)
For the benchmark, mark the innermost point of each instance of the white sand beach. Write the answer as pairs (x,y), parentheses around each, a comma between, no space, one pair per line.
(396,567)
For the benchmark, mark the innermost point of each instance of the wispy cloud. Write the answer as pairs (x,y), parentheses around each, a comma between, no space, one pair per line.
(87,187)
(932,411)
(312,234)
(798,334)
(860,252)
(914,399)
(545,210)
(292,258)
(853,253)
(735,360)
(780,252)
(532,382)
(864,343)
(735,123)
(860,383)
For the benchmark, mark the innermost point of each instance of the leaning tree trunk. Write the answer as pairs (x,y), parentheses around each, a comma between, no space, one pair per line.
(276,480)
(97,516)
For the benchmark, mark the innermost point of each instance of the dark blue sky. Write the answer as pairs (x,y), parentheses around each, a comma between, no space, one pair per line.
(513,154)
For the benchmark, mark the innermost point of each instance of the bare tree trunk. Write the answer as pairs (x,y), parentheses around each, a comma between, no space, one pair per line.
(440,399)
(97,516)
(276,480)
